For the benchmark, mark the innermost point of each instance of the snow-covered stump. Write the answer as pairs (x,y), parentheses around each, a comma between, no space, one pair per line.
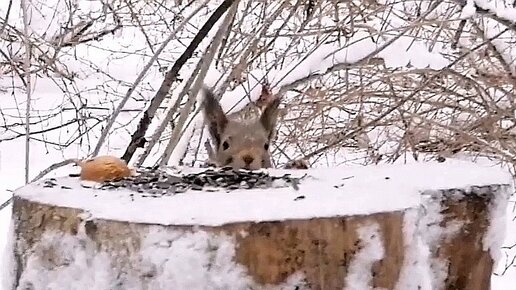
(465,234)
(428,226)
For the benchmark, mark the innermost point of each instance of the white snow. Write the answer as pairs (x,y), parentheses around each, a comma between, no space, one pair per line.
(415,272)
(61,261)
(371,250)
(192,261)
(7,273)
(401,52)
(328,192)
(432,233)
(494,238)
(498,8)
(166,259)
(469,10)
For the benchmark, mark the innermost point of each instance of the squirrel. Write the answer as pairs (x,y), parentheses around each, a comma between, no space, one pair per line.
(241,140)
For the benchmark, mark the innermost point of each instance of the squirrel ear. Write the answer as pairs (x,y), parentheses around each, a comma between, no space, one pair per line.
(214,115)
(270,116)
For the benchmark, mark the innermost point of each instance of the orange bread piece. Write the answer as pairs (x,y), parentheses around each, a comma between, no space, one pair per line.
(104,168)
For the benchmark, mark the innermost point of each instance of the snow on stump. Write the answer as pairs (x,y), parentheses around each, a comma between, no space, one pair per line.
(424,226)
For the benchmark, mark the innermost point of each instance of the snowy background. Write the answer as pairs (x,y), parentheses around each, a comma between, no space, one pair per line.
(364,82)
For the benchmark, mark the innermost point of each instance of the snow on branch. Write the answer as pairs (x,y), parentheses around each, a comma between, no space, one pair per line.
(496,10)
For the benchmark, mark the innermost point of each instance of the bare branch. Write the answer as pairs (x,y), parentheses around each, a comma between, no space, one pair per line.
(27,63)
(54,167)
(206,62)
(137,138)
(129,92)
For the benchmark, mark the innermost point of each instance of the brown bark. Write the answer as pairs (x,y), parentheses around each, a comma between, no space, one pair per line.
(469,266)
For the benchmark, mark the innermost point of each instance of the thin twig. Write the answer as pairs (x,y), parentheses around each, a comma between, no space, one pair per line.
(6,19)
(458,33)
(28,87)
(43,173)
(6,203)
(54,167)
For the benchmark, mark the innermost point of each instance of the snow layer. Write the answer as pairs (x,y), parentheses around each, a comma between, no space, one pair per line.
(66,262)
(372,250)
(415,273)
(497,8)
(327,192)
(7,271)
(494,238)
(432,233)
(469,10)
(167,259)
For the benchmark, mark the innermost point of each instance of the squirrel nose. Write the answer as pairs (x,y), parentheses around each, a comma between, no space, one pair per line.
(248,159)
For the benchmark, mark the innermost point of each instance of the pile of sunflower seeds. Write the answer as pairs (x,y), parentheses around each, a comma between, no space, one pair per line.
(155,183)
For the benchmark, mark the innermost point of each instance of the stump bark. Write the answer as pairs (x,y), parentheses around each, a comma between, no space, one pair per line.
(440,243)
(464,249)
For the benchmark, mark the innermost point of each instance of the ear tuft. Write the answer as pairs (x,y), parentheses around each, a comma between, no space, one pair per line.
(214,115)
(270,116)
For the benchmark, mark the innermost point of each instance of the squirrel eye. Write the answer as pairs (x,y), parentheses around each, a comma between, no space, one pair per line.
(266,146)
(225,145)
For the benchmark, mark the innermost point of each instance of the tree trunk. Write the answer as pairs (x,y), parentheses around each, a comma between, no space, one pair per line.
(445,242)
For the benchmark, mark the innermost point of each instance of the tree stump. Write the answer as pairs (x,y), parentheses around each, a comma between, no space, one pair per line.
(425,226)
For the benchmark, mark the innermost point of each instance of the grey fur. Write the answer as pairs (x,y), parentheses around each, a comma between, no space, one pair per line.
(237,142)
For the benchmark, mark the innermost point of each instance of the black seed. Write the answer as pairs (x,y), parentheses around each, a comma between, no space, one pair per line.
(156,183)
(197,187)
(163,185)
(174,179)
